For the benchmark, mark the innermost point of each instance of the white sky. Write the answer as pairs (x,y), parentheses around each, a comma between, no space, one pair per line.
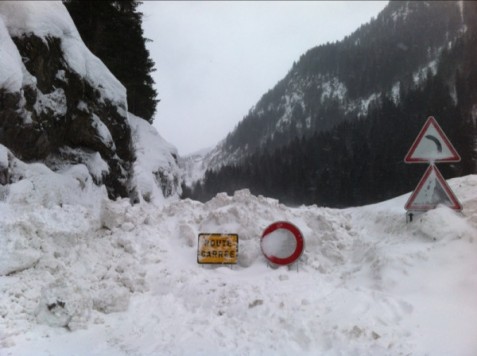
(215,59)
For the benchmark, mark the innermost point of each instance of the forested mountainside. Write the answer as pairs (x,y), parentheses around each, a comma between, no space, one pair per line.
(335,130)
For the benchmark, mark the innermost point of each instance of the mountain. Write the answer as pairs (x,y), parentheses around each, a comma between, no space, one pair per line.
(353,107)
(61,107)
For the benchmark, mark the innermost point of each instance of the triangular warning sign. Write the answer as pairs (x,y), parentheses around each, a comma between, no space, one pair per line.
(431,191)
(431,145)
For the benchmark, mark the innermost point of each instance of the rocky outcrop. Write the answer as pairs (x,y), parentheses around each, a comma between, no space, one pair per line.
(58,109)
(62,106)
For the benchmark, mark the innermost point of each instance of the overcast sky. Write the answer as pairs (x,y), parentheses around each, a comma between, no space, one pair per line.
(215,59)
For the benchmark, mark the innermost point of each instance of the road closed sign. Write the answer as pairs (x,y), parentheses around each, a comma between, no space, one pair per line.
(217,249)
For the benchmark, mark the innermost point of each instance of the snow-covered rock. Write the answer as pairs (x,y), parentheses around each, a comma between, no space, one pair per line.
(63,107)
(57,95)
(50,19)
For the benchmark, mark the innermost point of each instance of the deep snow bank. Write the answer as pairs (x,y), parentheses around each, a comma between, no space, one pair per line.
(54,236)
(33,198)
(368,283)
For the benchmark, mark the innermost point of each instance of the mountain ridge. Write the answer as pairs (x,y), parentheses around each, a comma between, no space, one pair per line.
(309,97)
(412,51)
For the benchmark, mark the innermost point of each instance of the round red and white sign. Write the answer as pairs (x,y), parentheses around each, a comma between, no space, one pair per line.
(282,243)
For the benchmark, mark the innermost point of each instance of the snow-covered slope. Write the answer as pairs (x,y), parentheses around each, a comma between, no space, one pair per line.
(156,174)
(193,166)
(124,280)
(347,80)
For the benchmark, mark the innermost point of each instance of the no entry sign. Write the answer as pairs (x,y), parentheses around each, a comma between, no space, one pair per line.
(282,243)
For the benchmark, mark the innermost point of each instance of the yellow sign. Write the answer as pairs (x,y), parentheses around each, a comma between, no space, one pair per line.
(217,248)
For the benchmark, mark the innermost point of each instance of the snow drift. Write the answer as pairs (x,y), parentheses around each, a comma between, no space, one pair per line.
(124,279)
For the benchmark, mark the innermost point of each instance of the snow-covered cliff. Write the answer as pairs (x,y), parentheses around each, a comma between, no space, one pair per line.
(60,105)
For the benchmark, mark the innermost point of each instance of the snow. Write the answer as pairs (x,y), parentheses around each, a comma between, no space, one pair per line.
(333,89)
(460,3)
(83,275)
(3,157)
(194,165)
(365,103)
(395,92)
(280,243)
(38,189)
(288,102)
(97,166)
(11,75)
(98,277)
(156,171)
(54,101)
(51,19)
(103,132)
(362,105)
(420,75)
(402,13)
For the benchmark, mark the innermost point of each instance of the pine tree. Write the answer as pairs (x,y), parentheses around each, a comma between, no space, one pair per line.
(112,30)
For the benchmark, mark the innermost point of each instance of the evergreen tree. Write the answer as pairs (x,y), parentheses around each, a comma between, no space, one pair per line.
(112,30)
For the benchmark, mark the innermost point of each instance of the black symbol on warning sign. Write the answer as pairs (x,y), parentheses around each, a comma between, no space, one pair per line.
(436,141)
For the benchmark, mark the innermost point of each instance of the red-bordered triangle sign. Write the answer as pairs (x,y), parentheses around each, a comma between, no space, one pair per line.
(431,191)
(431,145)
